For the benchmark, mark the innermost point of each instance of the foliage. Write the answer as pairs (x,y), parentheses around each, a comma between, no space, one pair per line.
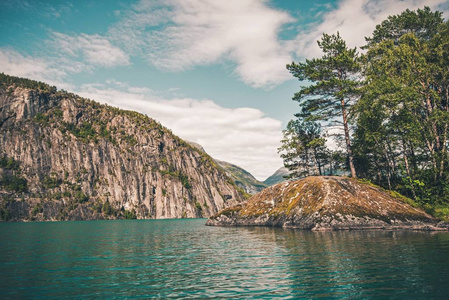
(9,163)
(129,214)
(41,119)
(26,83)
(51,182)
(85,131)
(5,212)
(402,117)
(172,172)
(184,180)
(303,148)
(397,100)
(37,209)
(333,88)
(13,183)
(80,197)
(107,208)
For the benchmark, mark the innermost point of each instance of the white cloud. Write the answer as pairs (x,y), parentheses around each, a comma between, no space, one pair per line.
(176,35)
(88,50)
(242,136)
(14,63)
(355,19)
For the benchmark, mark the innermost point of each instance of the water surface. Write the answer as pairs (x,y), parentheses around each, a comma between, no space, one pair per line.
(184,258)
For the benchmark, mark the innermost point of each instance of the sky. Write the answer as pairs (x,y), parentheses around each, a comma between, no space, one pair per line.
(212,71)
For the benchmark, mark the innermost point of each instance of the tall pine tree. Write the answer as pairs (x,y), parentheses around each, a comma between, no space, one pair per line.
(333,88)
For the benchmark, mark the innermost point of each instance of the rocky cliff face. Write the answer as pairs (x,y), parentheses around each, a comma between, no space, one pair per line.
(68,158)
(325,203)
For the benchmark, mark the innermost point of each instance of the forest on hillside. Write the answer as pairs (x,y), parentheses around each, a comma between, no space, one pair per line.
(391,100)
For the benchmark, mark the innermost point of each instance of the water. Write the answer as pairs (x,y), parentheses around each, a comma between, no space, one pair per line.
(184,258)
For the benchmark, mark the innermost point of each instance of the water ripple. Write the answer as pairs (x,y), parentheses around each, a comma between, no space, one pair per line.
(185,259)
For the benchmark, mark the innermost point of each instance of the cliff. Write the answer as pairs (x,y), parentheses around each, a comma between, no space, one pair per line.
(325,203)
(63,157)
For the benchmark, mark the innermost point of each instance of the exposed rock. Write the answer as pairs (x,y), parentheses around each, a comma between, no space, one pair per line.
(325,203)
(68,158)
(197,146)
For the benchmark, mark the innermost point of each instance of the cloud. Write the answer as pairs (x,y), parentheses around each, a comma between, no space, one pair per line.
(355,19)
(14,63)
(65,55)
(88,50)
(243,136)
(176,35)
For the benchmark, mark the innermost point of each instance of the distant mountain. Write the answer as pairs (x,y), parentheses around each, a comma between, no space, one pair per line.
(277,177)
(63,157)
(242,178)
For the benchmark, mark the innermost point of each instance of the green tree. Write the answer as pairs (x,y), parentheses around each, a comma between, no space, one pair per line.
(303,148)
(403,115)
(334,81)
(423,23)
(106,208)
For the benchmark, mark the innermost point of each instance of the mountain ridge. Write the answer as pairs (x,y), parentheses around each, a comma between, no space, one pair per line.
(72,158)
(241,177)
(277,176)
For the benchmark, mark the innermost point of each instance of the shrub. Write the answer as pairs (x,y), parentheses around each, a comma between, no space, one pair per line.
(13,183)
(80,197)
(51,182)
(129,214)
(9,163)
(5,214)
(106,208)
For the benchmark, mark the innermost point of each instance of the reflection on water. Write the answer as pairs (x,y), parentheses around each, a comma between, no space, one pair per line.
(184,258)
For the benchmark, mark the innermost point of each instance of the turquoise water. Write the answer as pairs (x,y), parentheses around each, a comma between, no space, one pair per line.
(184,258)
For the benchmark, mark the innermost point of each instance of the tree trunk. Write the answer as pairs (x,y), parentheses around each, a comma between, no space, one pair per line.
(407,169)
(347,138)
(315,161)
(444,150)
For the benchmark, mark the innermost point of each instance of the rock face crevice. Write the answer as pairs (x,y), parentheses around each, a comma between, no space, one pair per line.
(83,160)
(325,203)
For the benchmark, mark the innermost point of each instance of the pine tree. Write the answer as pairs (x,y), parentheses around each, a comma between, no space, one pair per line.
(333,88)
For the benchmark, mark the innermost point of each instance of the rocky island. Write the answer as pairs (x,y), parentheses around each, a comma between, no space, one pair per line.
(321,203)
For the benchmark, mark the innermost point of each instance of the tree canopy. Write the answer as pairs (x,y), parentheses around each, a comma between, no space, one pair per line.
(333,88)
(394,97)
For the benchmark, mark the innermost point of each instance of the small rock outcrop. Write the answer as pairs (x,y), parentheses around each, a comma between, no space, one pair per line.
(63,157)
(325,203)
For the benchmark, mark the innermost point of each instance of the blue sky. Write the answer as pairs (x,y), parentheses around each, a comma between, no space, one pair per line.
(212,71)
